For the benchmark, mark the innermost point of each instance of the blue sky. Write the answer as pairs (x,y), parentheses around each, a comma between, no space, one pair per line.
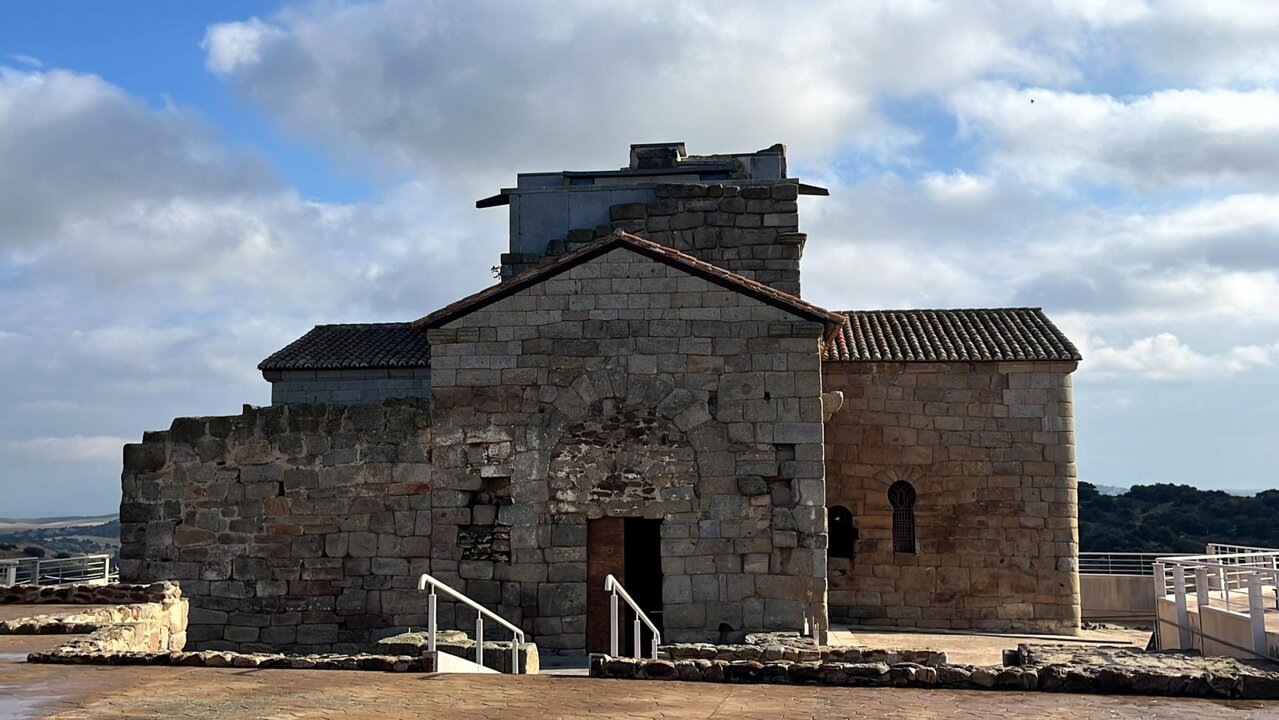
(186,187)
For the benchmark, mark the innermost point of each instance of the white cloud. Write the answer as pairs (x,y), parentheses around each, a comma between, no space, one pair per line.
(76,447)
(1169,137)
(1165,357)
(1225,42)
(237,45)
(149,265)
(26,60)
(485,89)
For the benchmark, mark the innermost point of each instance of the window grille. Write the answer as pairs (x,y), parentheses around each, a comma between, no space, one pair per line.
(901,495)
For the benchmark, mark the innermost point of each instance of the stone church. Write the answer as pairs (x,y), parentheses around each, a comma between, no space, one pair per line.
(645,394)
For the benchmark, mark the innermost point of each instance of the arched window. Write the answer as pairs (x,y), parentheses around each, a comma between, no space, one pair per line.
(843,532)
(901,495)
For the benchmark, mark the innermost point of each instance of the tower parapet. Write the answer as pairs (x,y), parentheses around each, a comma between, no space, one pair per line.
(737,211)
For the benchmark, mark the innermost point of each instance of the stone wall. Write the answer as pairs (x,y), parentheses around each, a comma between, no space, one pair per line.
(296,527)
(347,387)
(989,449)
(153,620)
(750,229)
(627,387)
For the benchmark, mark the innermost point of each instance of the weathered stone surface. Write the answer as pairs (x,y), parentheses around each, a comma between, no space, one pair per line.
(156,620)
(631,407)
(346,490)
(995,525)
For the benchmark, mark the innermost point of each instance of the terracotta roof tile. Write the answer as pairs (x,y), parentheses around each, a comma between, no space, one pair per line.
(968,335)
(354,346)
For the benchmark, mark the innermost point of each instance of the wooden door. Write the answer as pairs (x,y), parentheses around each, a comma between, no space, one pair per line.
(605,554)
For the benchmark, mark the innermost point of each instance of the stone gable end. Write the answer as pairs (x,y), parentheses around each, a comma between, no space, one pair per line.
(627,387)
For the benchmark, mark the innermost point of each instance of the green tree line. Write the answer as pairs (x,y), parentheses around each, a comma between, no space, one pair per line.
(1174,518)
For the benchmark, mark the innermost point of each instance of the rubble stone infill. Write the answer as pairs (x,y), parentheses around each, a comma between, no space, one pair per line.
(264,661)
(118,594)
(791,654)
(80,623)
(1181,677)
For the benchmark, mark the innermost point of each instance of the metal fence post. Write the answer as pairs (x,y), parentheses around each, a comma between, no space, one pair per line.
(1202,599)
(1160,593)
(1183,616)
(1257,615)
(612,625)
(1225,586)
(479,639)
(430,621)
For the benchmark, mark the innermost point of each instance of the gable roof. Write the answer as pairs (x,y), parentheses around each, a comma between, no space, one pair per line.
(648,248)
(352,347)
(968,335)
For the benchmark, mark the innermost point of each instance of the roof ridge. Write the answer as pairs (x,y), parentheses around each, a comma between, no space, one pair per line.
(937,309)
(368,324)
(657,251)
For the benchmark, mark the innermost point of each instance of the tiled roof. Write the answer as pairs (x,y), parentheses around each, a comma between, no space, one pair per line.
(973,335)
(368,345)
(648,248)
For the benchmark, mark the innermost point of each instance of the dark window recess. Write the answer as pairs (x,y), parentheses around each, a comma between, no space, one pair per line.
(843,533)
(901,495)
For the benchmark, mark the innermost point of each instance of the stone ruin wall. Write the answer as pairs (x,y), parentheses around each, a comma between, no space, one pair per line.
(300,528)
(625,387)
(751,230)
(114,618)
(989,449)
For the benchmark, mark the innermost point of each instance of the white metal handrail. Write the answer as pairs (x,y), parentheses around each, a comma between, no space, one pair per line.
(1229,570)
(1118,563)
(55,571)
(612,585)
(480,613)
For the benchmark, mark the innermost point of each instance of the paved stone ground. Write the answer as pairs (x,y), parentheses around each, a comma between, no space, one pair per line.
(90,693)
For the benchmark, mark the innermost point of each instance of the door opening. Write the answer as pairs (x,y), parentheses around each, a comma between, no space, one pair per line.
(631,550)
(644,573)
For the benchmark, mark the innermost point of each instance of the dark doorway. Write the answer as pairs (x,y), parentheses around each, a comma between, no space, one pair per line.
(644,573)
(629,549)
(843,533)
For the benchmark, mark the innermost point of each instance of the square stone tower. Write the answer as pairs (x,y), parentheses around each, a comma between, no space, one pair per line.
(737,211)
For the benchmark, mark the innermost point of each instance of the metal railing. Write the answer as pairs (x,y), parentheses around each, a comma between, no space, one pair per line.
(1118,563)
(614,615)
(1224,549)
(481,612)
(1237,579)
(83,569)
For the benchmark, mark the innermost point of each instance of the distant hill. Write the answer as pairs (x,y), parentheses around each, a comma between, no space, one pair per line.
(1174,518)
(59,537)
(15,524)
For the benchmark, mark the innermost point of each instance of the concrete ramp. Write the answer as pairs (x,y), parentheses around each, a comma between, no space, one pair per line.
(445,663)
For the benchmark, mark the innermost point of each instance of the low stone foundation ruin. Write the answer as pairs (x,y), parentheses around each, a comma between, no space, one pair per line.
(153,620)
(1038,668)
